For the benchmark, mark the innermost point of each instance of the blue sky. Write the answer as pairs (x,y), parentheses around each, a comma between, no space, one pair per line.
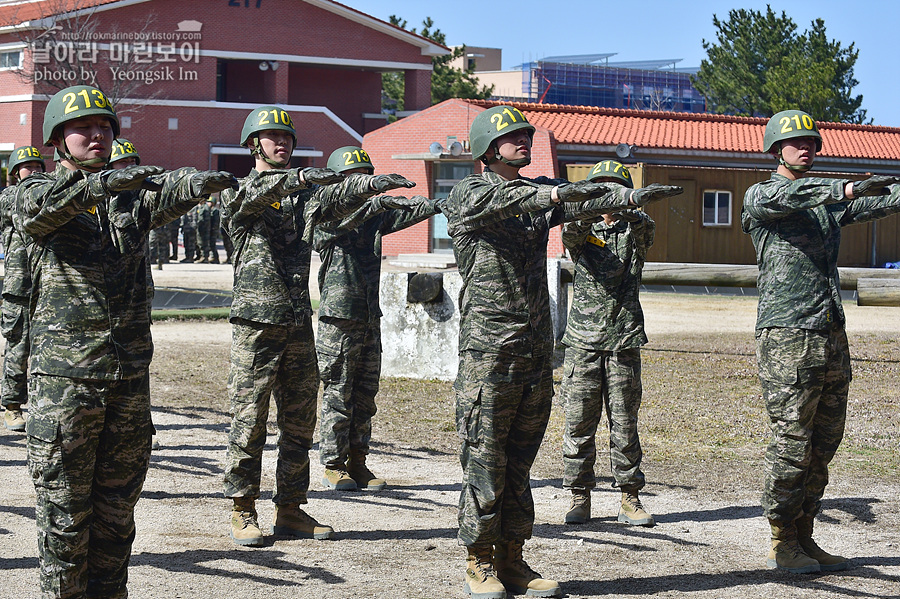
(653,29)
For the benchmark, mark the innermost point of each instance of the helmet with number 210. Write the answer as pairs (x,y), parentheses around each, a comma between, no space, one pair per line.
(74,103)
(493,123)
(266,118)
(790,124)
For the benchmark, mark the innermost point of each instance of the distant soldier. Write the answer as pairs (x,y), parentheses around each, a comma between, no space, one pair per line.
(270,220)
(801,346)
(172,235)
(215,224)
(203,222)
(89,428)
(500,224)
(189,234)
(603,339)
(24,161)
(348,342)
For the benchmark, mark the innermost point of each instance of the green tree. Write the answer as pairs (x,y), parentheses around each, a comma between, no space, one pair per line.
(446,81)
(760,64)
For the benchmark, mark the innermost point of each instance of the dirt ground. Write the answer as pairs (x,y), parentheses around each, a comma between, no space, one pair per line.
(703,482)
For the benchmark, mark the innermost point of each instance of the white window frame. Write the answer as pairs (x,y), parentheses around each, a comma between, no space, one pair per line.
(18,51)
(718,193)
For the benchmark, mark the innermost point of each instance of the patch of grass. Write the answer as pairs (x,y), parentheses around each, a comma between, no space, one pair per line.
(192,314)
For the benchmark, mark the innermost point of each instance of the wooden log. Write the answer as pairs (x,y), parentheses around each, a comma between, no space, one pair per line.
(736,275)
(877,292)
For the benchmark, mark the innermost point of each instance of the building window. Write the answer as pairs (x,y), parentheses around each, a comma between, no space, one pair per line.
(716,208)
(11,60)
(446,175)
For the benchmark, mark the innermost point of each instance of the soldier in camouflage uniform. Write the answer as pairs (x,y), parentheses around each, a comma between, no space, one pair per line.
(204,214)
(603,340)
(500,224)
(16,292)
(189,234)
(801,346)
(89,427)
(270,220)
(215,224)
(348,342)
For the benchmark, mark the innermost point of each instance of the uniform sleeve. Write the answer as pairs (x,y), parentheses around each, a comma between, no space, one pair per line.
(51,201)
(574,235)
(644,231)
(591,210)
(870,208)
(780,197)
(482,200)
(396,220)
(174,199)
(258,191)
(339,200)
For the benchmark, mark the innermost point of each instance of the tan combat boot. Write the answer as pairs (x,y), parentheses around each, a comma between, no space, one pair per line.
(244,527)
(360,473)
(291,521)
(517,576)
(632,511)
(786,553)
(827,562)
(481,579)
(13,418)
(339,479)
(580,510)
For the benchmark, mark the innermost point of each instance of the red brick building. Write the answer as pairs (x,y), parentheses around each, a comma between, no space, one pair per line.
(208,64)
(715,158)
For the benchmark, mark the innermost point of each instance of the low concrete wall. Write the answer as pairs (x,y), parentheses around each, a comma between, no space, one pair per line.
(421,340)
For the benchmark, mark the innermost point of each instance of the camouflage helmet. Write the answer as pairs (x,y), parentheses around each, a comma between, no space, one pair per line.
(789,124)
(267,118)
(73,103)
(610,169)
(24,155)
(493,123)
(122,149)
(349,158)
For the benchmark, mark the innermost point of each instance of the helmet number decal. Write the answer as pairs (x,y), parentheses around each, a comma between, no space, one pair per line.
(279,117)
(120,149)
(72,100)
(29,152)
(359,155)
(507,117)
(607,166)
(804,123)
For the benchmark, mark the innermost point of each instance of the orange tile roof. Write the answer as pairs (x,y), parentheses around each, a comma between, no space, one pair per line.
(15,14)
(589,125)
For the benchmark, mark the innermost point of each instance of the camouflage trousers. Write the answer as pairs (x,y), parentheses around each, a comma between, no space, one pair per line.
(189,237)
(592,381)
(159,245)
(88,453)
(350,366)
(172,236)
(502,409)
(203,247)
(271,362)
(14,326)
(805,378)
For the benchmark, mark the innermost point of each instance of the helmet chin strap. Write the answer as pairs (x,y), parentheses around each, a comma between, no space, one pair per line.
(258,150)
(90,164)
(517,163)
(792,167)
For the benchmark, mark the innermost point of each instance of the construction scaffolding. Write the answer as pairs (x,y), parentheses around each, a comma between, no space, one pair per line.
(574,84)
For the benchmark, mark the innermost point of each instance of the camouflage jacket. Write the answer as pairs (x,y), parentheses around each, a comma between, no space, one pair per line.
(271,225)
(606,310)
(215,222)
(88,253)
(204,213)
(16,275)
(189,220)
(796,230)
(500,231)
(350,274)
